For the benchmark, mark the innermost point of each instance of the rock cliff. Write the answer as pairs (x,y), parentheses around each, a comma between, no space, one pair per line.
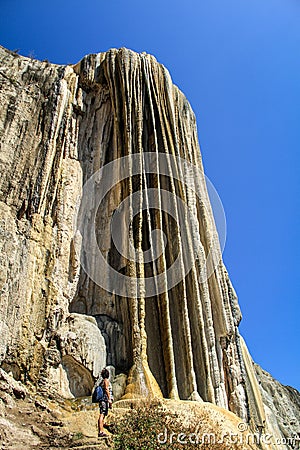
(109,251)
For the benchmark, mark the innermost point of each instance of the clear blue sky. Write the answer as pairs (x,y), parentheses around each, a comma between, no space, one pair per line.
(238,63)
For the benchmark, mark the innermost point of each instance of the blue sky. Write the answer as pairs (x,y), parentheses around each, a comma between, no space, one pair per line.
(238,64)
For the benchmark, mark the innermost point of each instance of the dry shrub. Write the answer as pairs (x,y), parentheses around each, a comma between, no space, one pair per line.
(147,426)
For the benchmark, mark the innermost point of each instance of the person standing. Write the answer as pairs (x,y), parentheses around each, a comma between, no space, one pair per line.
(106,403)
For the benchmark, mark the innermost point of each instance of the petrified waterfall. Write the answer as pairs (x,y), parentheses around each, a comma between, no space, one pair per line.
(110,254)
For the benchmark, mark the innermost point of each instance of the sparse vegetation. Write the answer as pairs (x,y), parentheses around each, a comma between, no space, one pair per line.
(77,436)
(154,426)
(141,427)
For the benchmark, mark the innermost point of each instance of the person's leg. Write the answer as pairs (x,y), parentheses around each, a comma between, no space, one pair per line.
(103,412)
(101,423)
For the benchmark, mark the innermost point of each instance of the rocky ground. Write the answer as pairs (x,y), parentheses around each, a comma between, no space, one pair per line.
(29,421)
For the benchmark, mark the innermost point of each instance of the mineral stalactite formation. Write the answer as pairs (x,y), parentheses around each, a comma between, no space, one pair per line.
(59,126)
(186,338)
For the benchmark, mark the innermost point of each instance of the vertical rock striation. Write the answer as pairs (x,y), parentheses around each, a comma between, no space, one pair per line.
(59,125)
(187,337)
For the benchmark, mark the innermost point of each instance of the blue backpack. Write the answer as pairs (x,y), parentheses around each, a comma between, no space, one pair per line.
(98,395)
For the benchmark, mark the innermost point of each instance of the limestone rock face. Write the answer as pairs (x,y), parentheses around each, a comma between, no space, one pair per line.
(40,185)
(282,406)
(83,355)
(119,386)
(139,285)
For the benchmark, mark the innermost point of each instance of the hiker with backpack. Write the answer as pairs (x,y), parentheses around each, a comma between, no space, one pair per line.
(102,394)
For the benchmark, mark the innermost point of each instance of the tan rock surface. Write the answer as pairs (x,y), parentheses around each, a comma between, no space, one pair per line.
(35,422)
(73,120)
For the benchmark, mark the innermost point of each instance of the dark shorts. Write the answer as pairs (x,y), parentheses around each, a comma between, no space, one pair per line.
(103,407)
